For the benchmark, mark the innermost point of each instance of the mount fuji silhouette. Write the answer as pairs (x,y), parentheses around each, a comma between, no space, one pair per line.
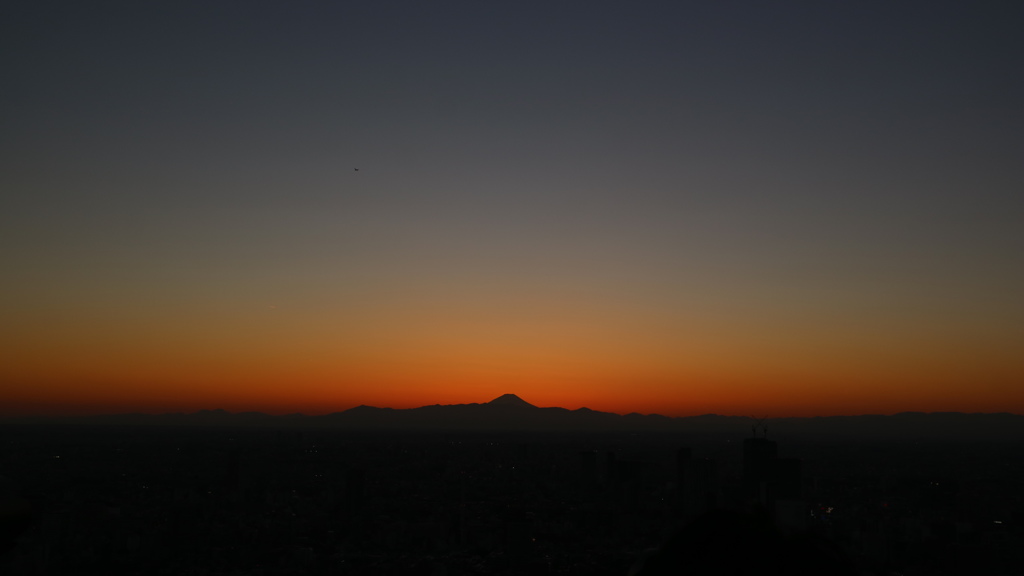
(511,401)
(506,412)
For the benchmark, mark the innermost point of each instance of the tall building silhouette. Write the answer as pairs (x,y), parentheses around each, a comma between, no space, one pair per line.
(759,457)
(773,484)
(697,487)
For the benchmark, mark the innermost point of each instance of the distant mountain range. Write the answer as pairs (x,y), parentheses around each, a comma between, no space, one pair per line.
(511,413)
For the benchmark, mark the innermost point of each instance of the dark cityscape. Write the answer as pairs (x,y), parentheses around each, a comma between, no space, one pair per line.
(225,500)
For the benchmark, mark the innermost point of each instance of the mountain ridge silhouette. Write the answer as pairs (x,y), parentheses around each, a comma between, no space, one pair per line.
(510,413)
(510,400)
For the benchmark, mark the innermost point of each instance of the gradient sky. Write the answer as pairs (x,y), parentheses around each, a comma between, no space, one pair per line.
(785,208)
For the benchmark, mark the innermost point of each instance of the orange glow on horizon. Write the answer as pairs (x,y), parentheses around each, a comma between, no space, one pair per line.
(620,358)
(779,398)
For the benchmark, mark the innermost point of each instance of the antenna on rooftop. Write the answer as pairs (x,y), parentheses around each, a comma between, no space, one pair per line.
(759,423)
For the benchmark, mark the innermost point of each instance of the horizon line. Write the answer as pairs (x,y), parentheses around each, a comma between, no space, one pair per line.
(227,412)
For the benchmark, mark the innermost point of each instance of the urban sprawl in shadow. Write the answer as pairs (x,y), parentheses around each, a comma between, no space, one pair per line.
(506,487)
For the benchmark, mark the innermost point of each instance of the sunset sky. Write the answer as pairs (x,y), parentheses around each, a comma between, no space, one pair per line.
(784,208)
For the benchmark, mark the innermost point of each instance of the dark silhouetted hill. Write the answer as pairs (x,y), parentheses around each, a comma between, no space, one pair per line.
(510,401)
